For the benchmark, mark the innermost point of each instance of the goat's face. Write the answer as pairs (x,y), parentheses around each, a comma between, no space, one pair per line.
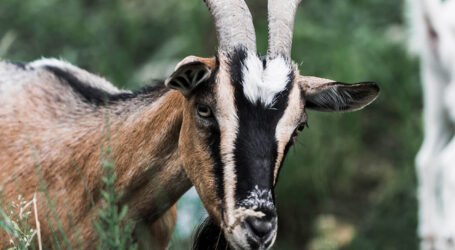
(241,116)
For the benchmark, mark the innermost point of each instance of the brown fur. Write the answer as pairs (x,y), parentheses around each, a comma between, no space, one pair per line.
(52,143)
(158,234)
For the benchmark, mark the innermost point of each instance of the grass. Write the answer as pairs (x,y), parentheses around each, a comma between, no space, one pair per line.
(15,222)
(111,226)
(113,231)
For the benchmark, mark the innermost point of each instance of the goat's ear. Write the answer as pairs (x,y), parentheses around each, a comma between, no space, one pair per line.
(327,95)
(189,73)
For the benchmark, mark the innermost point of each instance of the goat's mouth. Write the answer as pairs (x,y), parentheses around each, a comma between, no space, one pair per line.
(251,229)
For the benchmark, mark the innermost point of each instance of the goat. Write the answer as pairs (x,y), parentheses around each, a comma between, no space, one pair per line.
(222,124)
(433,39)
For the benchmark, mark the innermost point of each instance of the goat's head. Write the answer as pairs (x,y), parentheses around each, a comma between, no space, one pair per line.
(242,114)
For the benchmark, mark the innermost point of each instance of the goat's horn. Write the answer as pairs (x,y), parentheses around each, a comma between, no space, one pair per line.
(234,24)
(281,25)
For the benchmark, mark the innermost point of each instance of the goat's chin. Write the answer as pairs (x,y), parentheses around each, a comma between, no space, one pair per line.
(210,235)
(237,238)
(240,239)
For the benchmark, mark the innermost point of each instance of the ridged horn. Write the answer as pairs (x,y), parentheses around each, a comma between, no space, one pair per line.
(234,24)
(281,15)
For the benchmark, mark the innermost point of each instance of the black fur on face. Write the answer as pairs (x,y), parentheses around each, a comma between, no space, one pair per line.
(256,144)
(255,148)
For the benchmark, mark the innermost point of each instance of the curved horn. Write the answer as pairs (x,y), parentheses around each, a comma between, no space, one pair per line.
(281,25)
(234,24)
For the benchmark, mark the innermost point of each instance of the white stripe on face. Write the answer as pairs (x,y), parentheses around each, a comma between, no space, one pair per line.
(286,126)
(261,84)
(228,124)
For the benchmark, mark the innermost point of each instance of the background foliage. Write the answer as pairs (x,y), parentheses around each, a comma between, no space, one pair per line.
(350,182)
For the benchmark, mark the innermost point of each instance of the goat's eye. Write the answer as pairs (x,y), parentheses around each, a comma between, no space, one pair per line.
(302,126)
(204,111)
(299,129)
(295,134)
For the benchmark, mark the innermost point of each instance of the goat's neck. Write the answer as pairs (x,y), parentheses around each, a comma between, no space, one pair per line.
(144,146)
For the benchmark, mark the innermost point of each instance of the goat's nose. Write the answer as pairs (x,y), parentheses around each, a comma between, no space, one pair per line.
(261,227)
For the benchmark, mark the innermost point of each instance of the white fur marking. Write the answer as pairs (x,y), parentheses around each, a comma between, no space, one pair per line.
(286,126)
(262,85)
(235,233)
(228,126)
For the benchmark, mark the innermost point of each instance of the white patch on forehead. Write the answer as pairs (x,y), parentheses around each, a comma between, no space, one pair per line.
(262,85)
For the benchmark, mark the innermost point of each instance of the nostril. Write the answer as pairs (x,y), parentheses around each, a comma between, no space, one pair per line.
(260,227)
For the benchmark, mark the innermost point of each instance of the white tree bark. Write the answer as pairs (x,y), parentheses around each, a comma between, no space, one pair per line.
(433,39)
